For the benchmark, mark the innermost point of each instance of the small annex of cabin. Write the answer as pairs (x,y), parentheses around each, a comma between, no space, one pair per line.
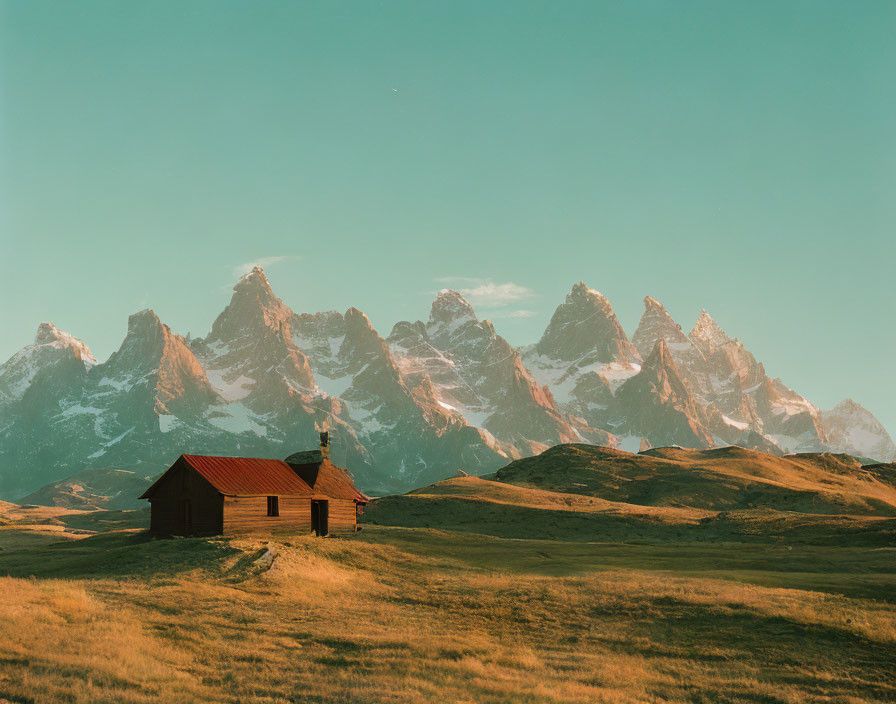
(205,495)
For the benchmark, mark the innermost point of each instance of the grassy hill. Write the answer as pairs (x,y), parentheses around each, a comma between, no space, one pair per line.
(489,507)
(588,493)
(107,489)
(722,479)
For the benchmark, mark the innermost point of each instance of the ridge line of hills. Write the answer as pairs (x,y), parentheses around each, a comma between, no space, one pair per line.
(414,407)
(585,493)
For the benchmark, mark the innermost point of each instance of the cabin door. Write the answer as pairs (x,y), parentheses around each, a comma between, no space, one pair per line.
(186,517)
(320,517)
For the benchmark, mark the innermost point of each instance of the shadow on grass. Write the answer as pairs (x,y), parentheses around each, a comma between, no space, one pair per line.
(104,521)
(792,648)
(858,572)
(114,555)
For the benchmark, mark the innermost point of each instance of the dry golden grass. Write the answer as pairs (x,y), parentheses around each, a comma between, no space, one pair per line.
(723,478)
(478,489)
(507,510)
(414,615)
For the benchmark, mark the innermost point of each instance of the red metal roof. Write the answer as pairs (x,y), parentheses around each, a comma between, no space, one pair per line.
(328,479)
(247,476)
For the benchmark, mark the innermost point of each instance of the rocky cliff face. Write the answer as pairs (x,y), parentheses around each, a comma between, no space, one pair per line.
(51,346)
(658,405)
(852,429)
(583,356)
(476,375)
(249,353)
(157,364)
(736,402)
(584,330)
(77,413)
(656,324)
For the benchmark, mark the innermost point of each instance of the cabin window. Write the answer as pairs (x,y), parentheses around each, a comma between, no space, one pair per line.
(273,505)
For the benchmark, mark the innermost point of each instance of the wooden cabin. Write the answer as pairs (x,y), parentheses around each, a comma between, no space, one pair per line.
(202,495)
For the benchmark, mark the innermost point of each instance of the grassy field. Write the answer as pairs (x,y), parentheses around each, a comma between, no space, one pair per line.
(421,615)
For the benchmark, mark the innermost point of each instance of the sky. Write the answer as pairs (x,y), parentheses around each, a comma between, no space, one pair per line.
(738,157)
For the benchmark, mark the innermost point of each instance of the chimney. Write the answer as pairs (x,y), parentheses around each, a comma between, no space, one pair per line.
(325,444)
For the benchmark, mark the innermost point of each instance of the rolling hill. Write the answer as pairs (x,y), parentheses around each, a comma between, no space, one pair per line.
(588,493)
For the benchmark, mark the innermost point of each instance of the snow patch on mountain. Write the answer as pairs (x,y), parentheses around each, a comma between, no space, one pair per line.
(234,390)
(51,346)
(236,418)
(853,429)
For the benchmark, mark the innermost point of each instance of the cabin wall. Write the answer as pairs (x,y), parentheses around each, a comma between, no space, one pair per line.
(182,483)
(341,516)
(250,514)
(163,517)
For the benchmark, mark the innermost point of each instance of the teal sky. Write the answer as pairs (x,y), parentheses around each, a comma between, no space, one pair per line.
(735,156)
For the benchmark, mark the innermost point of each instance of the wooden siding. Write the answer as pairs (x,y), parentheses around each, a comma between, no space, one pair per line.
(341,516)
(250,514)
(182,483)
(211,513)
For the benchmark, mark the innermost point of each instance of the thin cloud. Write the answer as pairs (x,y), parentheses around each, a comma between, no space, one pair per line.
(520,314)
(263,262)
(487,293)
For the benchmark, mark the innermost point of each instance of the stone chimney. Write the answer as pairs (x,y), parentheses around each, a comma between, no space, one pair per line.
(325,444)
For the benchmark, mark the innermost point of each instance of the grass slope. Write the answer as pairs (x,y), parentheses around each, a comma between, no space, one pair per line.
(724,479)
(467,600)
(493,508)
(420,615)
(107,489)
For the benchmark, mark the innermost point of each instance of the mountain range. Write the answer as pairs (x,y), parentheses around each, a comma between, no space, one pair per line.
(416,406)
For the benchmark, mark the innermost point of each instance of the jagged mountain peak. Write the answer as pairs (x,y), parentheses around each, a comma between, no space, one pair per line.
(582,290)
(49,334)
(255,288)
(145,322)
(254,274)
(250,352)
(660,357)
(253,310)
(51,347)
(848,404)
(651,303)
(656,324)
(660,406)
(255,282)
(707,333)
(146,332)
(357,322)
(852,428)
(362,344)
(585,325)
(451,307)
(583,295)
(155,361)
(149,341)
(653,307)
(46,333)
(655,313)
